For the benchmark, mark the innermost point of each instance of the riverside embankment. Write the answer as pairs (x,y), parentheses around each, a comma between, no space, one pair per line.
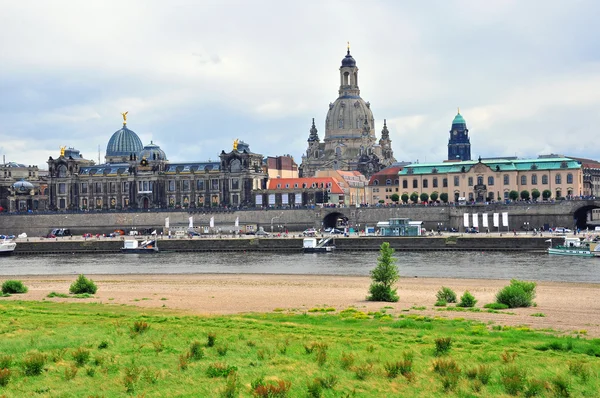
(287,244)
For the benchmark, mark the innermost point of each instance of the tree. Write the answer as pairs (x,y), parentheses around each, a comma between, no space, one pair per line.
(535,194)
(395,198)
(424,197)
(384,276)
(434,196)
(444,197)
(513,195)
(547,194)
(404,197)
(525,194)
(414,197)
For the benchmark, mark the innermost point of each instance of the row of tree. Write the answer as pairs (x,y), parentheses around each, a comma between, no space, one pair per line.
(425,197)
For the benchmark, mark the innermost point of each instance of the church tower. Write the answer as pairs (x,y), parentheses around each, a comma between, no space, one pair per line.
(349,142)
(459,144)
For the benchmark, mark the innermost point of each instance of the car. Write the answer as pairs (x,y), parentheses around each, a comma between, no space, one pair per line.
(59,232)
(473,230)
(334,231)
(262,232)
(191,234)
(562,230)
(309,232)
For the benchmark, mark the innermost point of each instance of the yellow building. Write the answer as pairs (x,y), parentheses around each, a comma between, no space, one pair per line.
(353,182)
(494,179)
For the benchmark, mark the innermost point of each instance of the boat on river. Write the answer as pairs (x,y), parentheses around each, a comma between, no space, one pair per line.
(136,246)
(315,245)
(7,247)
(573,246)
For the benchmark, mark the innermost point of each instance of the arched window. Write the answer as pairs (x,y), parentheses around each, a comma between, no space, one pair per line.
(491,180)
(405,183)
(479,180)
(435,182)
(544,179)
(388,182)
(569,178)
(506,179)
(376,182)
(415,183)
(62,171)
(396,182)
(558,180)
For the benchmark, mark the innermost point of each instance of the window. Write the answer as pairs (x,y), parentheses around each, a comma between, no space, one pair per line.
(405,183)
(396,182)
(62,188)
(534,179)
(286,185)
(435,182)
(98,187)
(415,183)
(425,183)
(523,180)
(491,180)
(544,179)
(296,185)
(506,179)
(214,185)
(456,181)
(125,188)
(558,180)
(200,185)
(278,186)
(186,185)
(569,178)
(445,182)
(470,181)
(558,194)
(388,182)
(375,182)
(506,195)
(479,180)
(171,187)
(84,187)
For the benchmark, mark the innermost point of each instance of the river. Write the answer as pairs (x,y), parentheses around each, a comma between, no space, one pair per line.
(476,265)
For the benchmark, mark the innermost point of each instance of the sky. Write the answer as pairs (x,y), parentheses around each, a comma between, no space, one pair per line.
(196,75)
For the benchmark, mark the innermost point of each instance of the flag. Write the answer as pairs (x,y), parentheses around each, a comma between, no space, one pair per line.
(191,222)
(466,220)
(505,219)
(212,222)
(167,222)
(496,220)
(475,221)
(237,221)
(484,220)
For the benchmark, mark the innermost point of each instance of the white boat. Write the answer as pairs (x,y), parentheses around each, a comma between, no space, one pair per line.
(314,245)
(573,246)
(7,247)
(135,246)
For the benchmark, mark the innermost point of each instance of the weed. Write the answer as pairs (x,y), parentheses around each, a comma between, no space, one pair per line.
(477,386)
(33,363)
(222,350)
(443,345)
(184,360)
(471,373)
(131,375)
(496,306)
(535,387)
(151,376)
(5,375)
(393,369)
(513,379)
(576,368)
(370,348)
(158,346)
(282,347)
(13,287)
(90,371)
(363,371)
(327,382)
(440,303)
(484,374)
(539,315)
(231,386)
(315,389)
(196,352)
(6,361)
(259,381)
(446,294)
(467,300)
(321,356)
(83,285)
(55,294)
(139,327)
(81,356)
(211,338)
(561,386)
(275,389)
(508,356)
(251,343)
(347,360)
(70,372)
(103,345)
(219,369)
(445,367)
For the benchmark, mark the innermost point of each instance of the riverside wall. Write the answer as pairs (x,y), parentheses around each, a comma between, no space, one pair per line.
(536,215)
(438,243)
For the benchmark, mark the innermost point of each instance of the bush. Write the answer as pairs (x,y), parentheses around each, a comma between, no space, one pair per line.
(496,306)
(196,352)
(219,369)
(513,379)
(446,294)
(5,375)
(384,276)
(81,356)
(467,300)
(443,345)
(517,294)
(33,363)
(12,287)
(83,285)
(278,388)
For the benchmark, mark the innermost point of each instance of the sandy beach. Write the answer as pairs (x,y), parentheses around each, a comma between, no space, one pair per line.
(568,307)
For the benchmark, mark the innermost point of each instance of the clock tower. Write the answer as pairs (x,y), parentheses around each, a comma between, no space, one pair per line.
(459,144)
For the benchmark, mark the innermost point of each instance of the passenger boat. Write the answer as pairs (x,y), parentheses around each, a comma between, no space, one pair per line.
(314,245)
(135,246)
(7,247)
(573,246)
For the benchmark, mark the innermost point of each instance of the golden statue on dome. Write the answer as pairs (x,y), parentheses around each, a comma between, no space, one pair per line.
(62,151)
(235,144)
(124,114)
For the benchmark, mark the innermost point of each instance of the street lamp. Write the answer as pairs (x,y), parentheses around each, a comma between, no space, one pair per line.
(440,225)
(274,218)
(526,225)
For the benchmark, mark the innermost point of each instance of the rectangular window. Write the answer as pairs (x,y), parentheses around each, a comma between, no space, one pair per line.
(490,180)
(186,185)
(534,179)
(456,181)
(112,187)
(62,188)
(425,183)
(470,181)
(214,185)
(415,183)
(435,183)
(171,187)
(98,187)
(84,187)
(506,179)
(405,184)
(444,182)
(523,180)
(125,187)
(235,184)
(545,179)
(200,185)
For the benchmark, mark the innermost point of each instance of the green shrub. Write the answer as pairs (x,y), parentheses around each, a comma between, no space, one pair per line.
(535,388)
(71,372)
(219,369)
(33,363)
(6,361)
(315,389)
(513,379)
(278,388)
(211,338)
(231,386)
(446,294)
(196,352)
(5,375)
(83,285)
(81,356)
(12,287)
(379,292)
(139,327)
(347,360)
(443,345)
(517,294)
(496,306)
(484,373)
(440,303)
(561,386)
(55,294)
(467,300)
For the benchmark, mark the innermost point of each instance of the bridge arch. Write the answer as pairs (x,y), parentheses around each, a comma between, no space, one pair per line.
(335,220)
(580,216)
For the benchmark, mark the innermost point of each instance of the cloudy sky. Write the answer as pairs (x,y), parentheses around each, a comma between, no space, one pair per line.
(195,75)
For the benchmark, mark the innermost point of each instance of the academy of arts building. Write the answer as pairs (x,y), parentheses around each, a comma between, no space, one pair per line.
(349,166)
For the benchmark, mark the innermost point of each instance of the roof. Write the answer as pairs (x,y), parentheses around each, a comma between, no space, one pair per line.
(494,164)
(458,119)
(189,167)
(306,183)
(392,171)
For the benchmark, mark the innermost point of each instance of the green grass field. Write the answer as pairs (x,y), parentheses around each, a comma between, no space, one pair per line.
(95,350)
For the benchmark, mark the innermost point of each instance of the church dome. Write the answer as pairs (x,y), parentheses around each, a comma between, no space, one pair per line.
(152,152)
(348,61)
(123,143)
(458,119)
(22,187)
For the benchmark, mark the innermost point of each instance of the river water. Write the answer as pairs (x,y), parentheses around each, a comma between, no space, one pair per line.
(477,265)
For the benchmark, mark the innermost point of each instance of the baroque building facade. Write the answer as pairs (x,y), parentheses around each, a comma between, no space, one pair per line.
(22,188)
(350,142)
(135,176)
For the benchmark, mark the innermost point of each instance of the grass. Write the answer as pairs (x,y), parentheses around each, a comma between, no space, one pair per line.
(83,349)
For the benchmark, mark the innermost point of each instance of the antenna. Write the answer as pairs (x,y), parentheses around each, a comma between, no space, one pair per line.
(98,154)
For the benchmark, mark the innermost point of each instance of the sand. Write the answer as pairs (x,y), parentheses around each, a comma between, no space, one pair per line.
(568,307)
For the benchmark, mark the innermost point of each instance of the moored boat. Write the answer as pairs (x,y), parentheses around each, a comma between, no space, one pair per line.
(314,245)
(573,246)
(135,246)
(7,247)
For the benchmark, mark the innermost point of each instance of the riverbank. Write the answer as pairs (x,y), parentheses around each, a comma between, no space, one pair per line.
(566,307)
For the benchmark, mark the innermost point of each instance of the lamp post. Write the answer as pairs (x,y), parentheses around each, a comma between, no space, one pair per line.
(274,218)
(440,225)
(526,225)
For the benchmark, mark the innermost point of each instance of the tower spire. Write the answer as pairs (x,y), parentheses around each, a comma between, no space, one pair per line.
(459,110)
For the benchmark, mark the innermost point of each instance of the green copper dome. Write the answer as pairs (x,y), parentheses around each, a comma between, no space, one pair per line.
(458,119)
